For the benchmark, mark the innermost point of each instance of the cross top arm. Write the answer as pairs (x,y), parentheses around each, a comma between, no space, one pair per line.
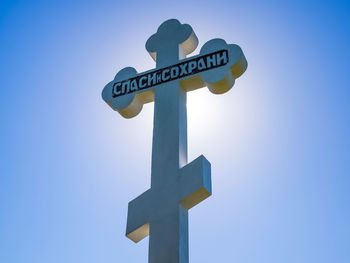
(172,33)
(217,66)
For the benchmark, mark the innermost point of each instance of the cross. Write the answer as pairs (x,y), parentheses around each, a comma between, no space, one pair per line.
(176,186)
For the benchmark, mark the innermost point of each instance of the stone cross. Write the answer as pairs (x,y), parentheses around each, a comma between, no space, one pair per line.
(162,211)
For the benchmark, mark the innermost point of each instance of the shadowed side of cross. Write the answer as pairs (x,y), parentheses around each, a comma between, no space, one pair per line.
(162,211)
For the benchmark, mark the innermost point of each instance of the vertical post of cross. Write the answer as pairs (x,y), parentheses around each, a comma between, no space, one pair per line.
(169,145)
(169,233)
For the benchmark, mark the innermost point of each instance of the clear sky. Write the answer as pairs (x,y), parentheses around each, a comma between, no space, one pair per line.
(278,142)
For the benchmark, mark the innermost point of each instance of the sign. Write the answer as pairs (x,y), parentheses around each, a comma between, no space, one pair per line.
(180,70)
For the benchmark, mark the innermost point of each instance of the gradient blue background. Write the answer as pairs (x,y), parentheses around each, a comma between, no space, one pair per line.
(278,142)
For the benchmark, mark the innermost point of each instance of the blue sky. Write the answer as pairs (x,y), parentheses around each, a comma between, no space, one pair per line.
(278,142)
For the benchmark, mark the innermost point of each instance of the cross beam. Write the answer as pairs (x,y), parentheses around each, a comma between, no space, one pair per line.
(176,186)
(165,209)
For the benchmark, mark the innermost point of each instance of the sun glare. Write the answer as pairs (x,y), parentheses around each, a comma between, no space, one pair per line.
(202,116)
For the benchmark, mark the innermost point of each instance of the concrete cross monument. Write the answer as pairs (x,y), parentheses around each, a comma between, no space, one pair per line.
(162,211)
